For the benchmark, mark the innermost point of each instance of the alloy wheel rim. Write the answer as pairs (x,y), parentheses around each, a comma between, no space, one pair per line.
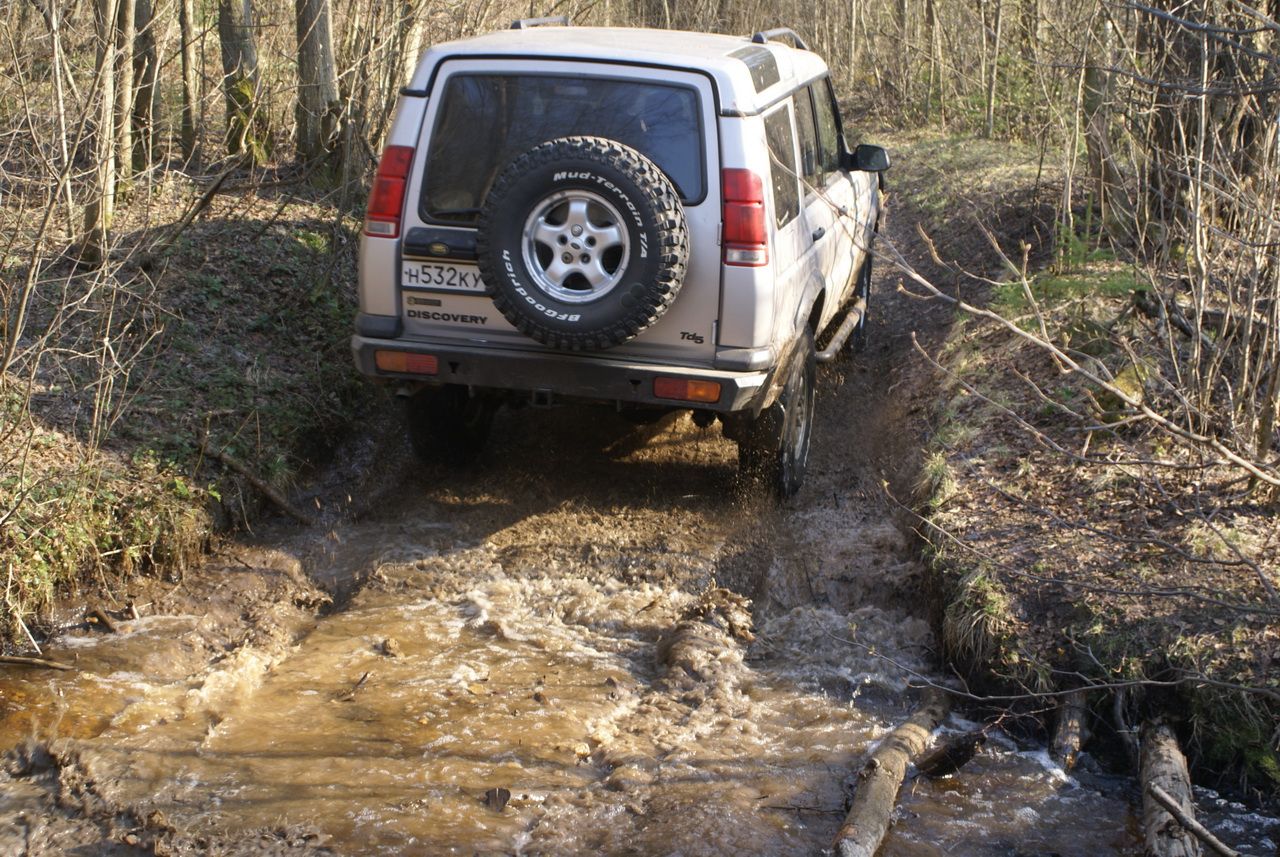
(575,246)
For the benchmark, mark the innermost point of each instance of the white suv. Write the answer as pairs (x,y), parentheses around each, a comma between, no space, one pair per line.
(652,219)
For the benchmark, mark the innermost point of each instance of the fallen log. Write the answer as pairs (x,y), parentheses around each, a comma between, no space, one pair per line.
(1164,767)
(39,663)
(1071,730)
(881,777)
(1215,844)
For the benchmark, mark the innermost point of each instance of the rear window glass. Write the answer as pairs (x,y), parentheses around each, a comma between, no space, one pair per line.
(486,121)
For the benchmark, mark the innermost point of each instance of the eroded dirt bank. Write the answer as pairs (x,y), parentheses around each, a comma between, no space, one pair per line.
(595,642)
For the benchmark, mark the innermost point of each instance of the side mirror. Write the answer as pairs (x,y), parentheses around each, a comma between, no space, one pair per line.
(866,159)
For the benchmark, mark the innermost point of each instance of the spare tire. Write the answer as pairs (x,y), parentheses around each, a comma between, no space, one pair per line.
(582,243)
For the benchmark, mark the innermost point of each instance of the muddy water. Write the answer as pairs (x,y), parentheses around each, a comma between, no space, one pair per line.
(447,677)
(554,660)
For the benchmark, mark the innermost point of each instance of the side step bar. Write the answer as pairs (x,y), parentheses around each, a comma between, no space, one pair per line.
(856,312)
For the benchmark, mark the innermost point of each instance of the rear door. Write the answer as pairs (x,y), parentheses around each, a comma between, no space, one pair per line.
(479,120)
(795,260)
(821,206)
(852,197)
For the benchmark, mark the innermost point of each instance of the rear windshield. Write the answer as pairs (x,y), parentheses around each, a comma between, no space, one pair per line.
(486,121)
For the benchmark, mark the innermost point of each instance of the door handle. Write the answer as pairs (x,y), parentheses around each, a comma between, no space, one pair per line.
(819,232)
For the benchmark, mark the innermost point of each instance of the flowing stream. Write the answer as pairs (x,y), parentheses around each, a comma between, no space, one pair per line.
(570,680)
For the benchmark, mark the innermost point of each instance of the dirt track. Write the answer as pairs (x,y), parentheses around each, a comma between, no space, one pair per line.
(565,622)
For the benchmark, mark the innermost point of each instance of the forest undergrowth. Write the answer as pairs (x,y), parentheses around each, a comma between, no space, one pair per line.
(1074,545)
(226,369)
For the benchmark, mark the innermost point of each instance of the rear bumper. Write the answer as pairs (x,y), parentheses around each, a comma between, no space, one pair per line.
(557,375)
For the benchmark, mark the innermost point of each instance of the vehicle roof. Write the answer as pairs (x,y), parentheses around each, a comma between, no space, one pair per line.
(706,52)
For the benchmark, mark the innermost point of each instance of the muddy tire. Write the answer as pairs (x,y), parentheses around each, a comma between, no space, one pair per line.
(448,425)
(582,243)
(774,449)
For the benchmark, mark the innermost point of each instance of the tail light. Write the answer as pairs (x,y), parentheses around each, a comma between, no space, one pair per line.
(386,200)
(687,390)
(406,362)
(746,240)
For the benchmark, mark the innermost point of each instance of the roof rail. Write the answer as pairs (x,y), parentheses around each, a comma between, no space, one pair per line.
(768,35)
(529,23)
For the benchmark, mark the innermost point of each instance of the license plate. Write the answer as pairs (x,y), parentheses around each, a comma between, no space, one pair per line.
(441,277)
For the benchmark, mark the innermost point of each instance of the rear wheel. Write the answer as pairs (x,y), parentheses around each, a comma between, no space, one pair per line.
(775,448)
(449,425)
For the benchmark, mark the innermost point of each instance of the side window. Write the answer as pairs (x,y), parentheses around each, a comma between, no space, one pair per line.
(828,126)
(810,168)
(782,166)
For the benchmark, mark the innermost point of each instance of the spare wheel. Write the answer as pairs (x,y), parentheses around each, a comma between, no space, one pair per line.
(582,243)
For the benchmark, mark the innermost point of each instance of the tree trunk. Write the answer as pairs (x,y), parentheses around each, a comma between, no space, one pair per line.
(126,34)
(317,80)
(1071,730)
(853,41)
(100,210)
(1029,35)
(190,80)
(246,126)
(410,30)
(1167,138)
(147,97)
(413,28)
(935,56)
(1114,206)
(901,12)
(53,23)
(655,13)
(1270,404)
(994,72)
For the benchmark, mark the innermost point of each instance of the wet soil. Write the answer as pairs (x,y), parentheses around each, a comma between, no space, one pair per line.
(595,641)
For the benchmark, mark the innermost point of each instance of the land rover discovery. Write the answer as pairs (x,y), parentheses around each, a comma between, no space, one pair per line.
(651,219)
